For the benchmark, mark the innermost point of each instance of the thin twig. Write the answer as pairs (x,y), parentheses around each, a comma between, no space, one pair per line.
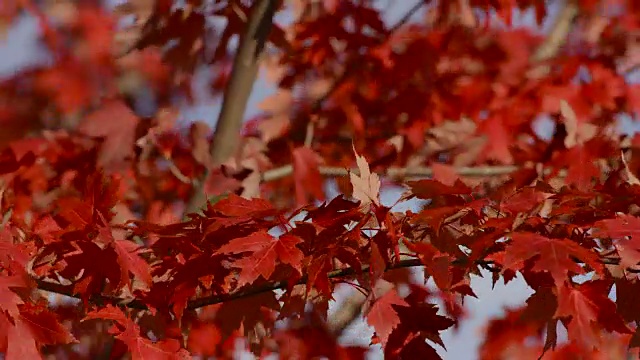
(558,34)
(395,172)
(176,171)
(554,41)
(215,299)
(198,303)
(308,137)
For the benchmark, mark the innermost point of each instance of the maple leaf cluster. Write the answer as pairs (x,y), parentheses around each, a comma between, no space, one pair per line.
(101,257)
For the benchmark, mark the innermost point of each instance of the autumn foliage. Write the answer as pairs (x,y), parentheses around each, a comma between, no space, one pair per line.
(128,232)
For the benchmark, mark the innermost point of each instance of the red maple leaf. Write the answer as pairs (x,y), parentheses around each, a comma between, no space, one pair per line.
(245,313)
(23,332)
(45,325)
(625,230)
(204,339)
(266,252)
(140,347)
(437,263)
(310,340)
(307,175)
(506,333)
(382,316)
(236,206)
(9,300)
(445,174)
(19,340)
(128,257)
(13,257)
(555,256)
(524,200)
(589,309)
(581,170)
(427,188)
(419,322)
(131,262)
(8,161)
(116,123)
(499,140)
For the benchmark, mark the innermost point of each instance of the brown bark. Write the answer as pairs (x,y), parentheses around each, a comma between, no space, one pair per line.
(236,96)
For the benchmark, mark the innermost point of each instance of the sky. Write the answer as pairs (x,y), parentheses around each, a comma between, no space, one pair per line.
(20,50)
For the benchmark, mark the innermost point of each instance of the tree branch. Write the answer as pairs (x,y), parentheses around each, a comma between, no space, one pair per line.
(346,314)
(555,39)
(226,137)
(395,172)
(216,299)
(558,34)
(255,290)
(245,68)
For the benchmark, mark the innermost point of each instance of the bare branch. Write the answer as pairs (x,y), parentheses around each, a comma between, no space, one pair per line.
(243,75)
(395,172)
(554,41)
(346,315)
(245,68)
(215,299)
(176,171)
(236,96)
(558,34)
